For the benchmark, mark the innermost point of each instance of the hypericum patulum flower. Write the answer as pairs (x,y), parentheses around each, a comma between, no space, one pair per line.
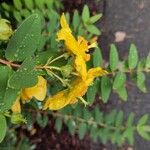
(70,96)
(78,48)
(38,91)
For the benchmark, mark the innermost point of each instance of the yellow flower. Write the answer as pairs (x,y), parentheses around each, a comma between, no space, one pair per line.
(16,108)
(70,96)
(77,47)
(38,91)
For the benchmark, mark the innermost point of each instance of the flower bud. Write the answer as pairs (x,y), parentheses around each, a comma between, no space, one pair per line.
(17,118)
(66,70)
(5,29)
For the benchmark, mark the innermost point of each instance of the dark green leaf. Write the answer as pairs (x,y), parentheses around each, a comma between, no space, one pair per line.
(143,120)
(148,61)
(95,18)
(3,127)
(141,81)
(17,4)
(25,76)
(119,119)
(133,57)
(91,93)
(97,58)
(85,14)
(58,125)
(29,4)
(113,57)
(105,88)
(82,130)
(130,120)
(93,29)
(25,40)
(119,80)
(76,19)
(71,126)
(122,92)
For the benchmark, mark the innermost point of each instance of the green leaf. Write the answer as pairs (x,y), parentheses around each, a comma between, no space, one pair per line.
(3,127)
(25,13)
(129,134)
(143,120)
(5,73)
(39,4)
(97,58)
(17,16)
(98,115)
(8,99)
(119,119)
(85,14)
(71,126)
(25,76)
(122,92)
(95,18)
(76,19)
(119,80)
(105,88)
(42,120)
(148,61)
(144,134)
(113,57)
(141,81)
(58,125)
(91,93)
(25,40)
(29,4)
(17,4)
(82,130)
(133,57)
(110,118)
(130,120)
(93,29)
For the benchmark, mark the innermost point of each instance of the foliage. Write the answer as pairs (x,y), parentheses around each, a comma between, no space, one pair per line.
(33,51)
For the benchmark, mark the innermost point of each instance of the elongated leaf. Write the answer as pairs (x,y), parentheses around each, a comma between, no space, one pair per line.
(91,93)
(143,133)
(29,4)
(119,80)
(25,40)
(119,119)
(3,127)
(85,14)
(97,58)
(143,120)
(133,57)
(93,29)
(113,57)
(95,18)
(122,92)
(25,76)
(58,125)
(141,81)
(76,19)
(130,120)
(82,130)
(105,88)
(148,61)
(17,4)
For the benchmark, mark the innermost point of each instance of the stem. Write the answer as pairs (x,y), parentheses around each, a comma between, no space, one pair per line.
(79,119)
(5,62)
